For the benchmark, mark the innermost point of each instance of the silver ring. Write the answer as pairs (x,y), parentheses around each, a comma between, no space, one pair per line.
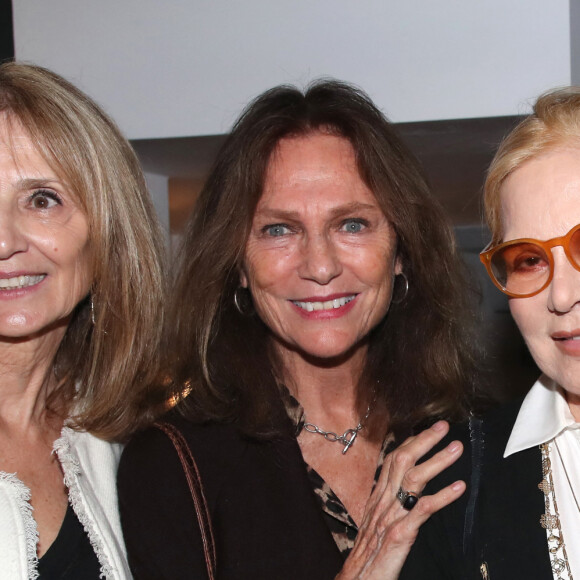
(408,499)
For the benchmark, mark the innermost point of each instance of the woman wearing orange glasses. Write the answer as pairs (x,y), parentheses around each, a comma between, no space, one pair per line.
(520,516)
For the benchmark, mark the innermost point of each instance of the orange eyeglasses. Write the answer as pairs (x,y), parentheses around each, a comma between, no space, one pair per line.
(524,267)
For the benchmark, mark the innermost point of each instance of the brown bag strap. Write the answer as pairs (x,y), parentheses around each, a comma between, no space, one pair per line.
(196,490)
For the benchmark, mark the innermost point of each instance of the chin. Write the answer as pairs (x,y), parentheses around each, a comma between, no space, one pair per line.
(330,353)
(22,327)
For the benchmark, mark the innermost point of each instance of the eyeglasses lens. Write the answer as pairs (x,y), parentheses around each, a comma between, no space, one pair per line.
(523,268)
(574,249)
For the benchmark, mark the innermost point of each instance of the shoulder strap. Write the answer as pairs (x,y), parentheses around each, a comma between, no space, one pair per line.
(196,490)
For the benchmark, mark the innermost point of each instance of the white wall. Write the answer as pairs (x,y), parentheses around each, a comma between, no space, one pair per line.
(186,67)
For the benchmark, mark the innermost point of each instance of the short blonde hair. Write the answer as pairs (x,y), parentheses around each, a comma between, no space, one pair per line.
(101,367)
(554,122)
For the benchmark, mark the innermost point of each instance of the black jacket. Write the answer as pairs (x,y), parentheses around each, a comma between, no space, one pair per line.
(266,520)
(496,522)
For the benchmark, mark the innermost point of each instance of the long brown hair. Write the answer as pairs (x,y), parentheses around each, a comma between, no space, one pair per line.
(100,366)
(420,358)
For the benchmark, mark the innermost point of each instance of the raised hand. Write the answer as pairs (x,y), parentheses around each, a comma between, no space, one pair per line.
(388,529)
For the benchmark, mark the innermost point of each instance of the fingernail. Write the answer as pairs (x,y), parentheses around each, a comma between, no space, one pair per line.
(457,486)
(453,447)
(439,426)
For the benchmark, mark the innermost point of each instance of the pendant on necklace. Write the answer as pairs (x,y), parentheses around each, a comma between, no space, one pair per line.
(348,438)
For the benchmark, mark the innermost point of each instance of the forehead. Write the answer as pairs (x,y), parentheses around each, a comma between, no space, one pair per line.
(316,164)
(18,149)
(312,148)
(541,199)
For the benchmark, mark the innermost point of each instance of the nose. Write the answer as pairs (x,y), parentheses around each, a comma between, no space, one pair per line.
(12,238)
(564,290)
(319,259)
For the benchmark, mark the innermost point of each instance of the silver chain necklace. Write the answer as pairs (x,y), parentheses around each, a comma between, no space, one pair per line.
(347,438)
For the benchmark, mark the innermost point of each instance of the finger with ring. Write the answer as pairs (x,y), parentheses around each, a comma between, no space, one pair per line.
(408,499)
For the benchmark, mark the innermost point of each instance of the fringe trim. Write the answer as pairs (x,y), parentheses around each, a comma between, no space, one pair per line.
(22,494)
(71,469)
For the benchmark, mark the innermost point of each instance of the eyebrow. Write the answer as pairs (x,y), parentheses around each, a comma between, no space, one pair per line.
(34,182)
(342,210)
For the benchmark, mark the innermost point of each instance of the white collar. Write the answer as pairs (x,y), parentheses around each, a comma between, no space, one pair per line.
(543,415)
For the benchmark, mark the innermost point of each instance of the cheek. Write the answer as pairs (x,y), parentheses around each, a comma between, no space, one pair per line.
(380,269)
(527,313)
(76,259)
(264,270)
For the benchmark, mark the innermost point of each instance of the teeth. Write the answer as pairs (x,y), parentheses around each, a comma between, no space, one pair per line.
(20,282)
(328,305)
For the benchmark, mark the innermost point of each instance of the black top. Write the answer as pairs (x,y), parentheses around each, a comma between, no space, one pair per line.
(71,556)
(497,528)
(266,519)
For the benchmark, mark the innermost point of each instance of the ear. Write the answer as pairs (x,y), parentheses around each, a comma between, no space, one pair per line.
(398,269)
(243,278)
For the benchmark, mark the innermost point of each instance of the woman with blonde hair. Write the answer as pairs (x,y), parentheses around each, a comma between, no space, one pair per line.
(520,517)
(81,306)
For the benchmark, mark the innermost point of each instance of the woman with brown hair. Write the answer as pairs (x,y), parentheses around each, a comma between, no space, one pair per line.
(521,517)
(78,334)
(318,321)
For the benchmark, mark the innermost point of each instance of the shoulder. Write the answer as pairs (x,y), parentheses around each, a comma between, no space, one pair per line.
(222,454)
(87,448)
(244,480)
(499,422)
(90,465)
(96,460)
(215,448)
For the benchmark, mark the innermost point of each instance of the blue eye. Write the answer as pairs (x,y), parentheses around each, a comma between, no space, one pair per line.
(353,226)
(277,230)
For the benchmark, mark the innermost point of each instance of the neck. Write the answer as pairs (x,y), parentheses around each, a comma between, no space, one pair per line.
(327,390)
(574,404)
(26,379)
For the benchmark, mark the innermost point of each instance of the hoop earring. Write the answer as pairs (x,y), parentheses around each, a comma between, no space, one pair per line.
(242,301)
(402,298)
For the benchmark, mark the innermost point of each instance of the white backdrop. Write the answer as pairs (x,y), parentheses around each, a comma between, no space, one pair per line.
(187,67)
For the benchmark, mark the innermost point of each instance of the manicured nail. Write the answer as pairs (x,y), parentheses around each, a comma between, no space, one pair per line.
(439,426)
(453,447)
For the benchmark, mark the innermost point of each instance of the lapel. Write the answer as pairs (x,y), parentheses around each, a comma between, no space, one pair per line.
(513,544)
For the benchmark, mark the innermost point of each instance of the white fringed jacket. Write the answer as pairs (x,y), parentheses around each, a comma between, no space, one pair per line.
(90,466)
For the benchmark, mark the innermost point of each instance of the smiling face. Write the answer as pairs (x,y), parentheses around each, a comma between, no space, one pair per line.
(541,200)
(320,259)
(44,255)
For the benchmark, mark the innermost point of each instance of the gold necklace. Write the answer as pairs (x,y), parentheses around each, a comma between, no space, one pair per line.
(550,521)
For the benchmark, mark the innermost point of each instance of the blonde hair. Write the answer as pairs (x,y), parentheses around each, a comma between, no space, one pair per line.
(554,122)
(102,367)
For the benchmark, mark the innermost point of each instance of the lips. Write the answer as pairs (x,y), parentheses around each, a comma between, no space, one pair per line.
(19,282)
(331,303)
(565,335)
(567,342)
